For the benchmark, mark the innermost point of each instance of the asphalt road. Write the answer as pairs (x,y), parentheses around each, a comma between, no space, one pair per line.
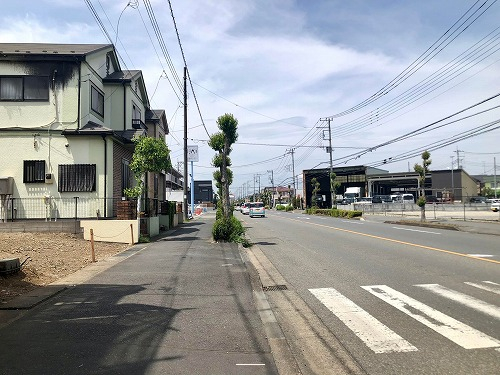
(381,298)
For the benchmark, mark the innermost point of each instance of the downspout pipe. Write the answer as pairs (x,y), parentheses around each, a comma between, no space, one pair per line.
(105,175)
(78,125)
(124,107)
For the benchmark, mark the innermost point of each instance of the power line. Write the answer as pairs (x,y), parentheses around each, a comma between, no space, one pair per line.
(437,47)
(187,70)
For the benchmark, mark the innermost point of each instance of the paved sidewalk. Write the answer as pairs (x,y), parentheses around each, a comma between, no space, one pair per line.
(179,305)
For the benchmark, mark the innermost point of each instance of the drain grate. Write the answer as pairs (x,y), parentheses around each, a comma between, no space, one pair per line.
(273,288)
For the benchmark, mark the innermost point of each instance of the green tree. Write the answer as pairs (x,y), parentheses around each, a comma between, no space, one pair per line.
(221,142)
(422,171)
(334,185)
(150,155)
(315,185)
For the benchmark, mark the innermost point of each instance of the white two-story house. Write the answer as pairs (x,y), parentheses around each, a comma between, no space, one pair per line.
(68,114)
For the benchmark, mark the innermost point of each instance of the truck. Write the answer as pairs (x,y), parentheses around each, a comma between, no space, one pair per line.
(352,194)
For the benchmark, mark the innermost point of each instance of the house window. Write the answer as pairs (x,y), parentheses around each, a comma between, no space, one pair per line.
(136,113)
(24,88)
(77,177)
(97,101)
(126,175)
(34,171)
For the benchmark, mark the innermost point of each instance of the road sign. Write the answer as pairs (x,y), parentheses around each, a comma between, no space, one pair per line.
(192,152)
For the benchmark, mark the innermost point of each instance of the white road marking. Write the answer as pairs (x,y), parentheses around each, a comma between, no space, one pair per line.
(416,230)
(250,364)
(372,332)
(458,332)
(72,303)
(463,299)
(481,255)
(495,288)
(352,222)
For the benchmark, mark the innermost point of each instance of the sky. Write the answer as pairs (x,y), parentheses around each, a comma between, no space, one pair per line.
(390,78)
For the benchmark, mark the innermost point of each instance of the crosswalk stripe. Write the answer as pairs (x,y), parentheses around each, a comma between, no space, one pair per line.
(463,299)
(490,287)
(372,332)
(460,333)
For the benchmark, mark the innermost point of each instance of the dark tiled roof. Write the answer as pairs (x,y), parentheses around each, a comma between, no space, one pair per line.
(122,75)
(50,49)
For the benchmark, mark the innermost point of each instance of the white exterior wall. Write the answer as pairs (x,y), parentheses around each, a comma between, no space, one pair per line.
(52,149)
(60,112)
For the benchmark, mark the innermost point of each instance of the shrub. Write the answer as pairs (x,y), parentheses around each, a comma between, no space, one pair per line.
(288,208)
(334,212)
(228,230)
(280,207)
(421,202)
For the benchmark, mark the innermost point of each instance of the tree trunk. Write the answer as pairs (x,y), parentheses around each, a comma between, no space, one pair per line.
(422,213)
(225,185)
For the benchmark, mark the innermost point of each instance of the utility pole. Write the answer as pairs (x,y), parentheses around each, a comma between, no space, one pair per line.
(452,181)
(292,150)
(185,202)
(331,165)
(329,150)
(495,175)
(272,187)
(458,158)
(258,176)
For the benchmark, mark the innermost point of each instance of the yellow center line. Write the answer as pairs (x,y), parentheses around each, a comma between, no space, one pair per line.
(398,241)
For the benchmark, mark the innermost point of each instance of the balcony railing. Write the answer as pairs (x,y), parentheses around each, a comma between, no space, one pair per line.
(138,124)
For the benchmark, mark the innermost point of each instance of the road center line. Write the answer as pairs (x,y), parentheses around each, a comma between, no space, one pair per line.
(398,241)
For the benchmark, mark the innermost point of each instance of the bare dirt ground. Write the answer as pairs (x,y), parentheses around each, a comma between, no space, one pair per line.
(50,256)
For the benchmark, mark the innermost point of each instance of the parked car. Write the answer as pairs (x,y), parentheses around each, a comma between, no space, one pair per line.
(364,200)
(381,199)
(477,200)
(495,207)
(403,198)
(245,208)
(431,199)
(257,209)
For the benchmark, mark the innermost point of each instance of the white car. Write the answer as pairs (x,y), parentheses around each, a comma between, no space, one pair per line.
(245,208)
(495,207)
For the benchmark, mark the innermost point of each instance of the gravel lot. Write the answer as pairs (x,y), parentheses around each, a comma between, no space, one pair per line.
(50,256)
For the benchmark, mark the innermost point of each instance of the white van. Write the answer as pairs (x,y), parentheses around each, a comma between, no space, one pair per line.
(403,198)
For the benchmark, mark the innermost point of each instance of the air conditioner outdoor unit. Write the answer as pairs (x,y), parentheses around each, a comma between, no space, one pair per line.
(49,178)
(6,185)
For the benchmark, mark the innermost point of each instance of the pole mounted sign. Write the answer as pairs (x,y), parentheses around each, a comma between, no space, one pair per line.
(193,153)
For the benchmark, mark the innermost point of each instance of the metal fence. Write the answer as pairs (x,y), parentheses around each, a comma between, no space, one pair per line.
(51,208)
(457,210)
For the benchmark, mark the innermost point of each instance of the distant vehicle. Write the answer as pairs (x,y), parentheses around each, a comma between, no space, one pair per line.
(495,207)
(365,200)
(237,207)
(352,194)
(404,198)
(245,208)
(257,209)
(381,199)
(431,199)
(477,200)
